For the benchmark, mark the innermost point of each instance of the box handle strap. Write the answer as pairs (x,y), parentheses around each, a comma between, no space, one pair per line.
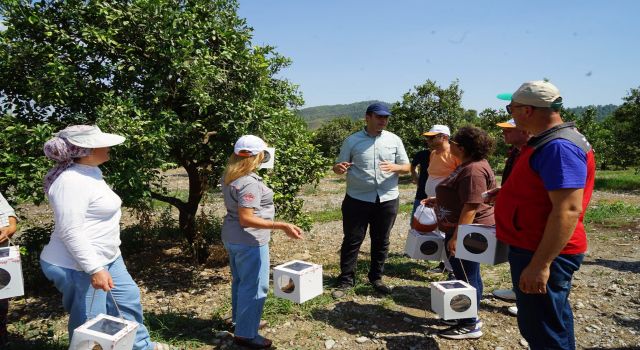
(114,303)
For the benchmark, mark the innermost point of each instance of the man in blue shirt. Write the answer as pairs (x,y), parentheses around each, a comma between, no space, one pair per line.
(372,159)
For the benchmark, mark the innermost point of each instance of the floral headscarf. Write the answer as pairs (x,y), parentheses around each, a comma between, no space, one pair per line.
(63,152)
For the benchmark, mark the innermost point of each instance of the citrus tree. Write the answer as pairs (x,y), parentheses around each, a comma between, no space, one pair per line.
(422,107)
(180,79)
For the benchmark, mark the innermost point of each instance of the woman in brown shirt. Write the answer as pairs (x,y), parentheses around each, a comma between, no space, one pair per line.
(459,201)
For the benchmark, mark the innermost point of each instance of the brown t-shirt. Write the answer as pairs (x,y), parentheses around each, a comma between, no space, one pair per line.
(465,185)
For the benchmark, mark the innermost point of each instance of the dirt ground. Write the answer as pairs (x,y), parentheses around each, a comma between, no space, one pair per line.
(185,303)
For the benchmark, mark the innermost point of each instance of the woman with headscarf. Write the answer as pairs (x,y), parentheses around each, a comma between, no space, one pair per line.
(83,257)
(246,232)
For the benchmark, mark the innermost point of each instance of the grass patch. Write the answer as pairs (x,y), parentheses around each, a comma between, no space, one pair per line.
(618,180)
(615,214)
(406,208)
(185,330)
(403,267)
(335,214)
(278,310)
(30,336)
(327,215)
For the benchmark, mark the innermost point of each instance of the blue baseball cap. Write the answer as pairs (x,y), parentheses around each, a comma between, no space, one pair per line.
(378,109)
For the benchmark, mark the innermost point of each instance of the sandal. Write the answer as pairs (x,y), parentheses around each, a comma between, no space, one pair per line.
(259,342)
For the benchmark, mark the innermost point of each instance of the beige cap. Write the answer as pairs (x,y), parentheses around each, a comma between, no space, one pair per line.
(538,93)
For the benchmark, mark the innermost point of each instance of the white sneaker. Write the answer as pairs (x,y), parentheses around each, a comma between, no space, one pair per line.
(513,310)
(505,294)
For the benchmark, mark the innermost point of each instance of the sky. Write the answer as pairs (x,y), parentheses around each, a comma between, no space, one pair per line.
(346,51)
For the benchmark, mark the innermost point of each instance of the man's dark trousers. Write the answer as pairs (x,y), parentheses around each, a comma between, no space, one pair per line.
(357,215)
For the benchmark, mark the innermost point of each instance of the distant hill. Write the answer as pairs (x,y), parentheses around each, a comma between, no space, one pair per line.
(602,111)
(315,116)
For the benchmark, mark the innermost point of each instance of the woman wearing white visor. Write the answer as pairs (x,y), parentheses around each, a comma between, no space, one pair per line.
(83,257)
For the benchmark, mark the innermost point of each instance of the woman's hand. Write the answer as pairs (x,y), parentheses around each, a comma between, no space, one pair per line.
(429,202)
(8,231)
(102,280)
(452,243)
(292,230)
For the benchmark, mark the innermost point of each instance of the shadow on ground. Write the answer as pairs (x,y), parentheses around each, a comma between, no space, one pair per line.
(163,267)
(625,266)
(372,321)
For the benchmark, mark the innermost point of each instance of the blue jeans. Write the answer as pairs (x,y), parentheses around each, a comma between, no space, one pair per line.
(546,320)
(249,286)
(77,294)
(465,270)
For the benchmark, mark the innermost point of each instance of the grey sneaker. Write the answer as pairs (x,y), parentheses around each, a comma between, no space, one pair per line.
(456,322)
(472,331)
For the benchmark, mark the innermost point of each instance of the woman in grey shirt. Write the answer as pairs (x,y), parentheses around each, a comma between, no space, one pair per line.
(246,233)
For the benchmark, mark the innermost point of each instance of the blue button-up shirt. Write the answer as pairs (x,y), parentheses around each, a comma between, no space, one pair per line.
(365,179)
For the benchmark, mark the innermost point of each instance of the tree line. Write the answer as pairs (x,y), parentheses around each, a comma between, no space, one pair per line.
(612,135)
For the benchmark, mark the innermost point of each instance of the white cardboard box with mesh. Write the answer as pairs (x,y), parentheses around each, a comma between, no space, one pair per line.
(297,280)
(479,243)
(428,246)
(106,331)
(11,281)
(453,300)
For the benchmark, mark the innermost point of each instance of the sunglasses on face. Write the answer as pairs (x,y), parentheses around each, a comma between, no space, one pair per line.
(510,108)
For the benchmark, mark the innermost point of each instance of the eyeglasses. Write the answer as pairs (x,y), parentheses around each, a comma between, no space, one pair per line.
(510,108)
(453,142)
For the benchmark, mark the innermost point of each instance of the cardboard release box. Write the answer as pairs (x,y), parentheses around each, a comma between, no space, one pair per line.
(105,331)
(429,246)
(11,281)
(297,280)
(453,300)
(479,243)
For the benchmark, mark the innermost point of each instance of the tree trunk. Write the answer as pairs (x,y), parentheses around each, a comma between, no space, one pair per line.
(195,238)
(188,211)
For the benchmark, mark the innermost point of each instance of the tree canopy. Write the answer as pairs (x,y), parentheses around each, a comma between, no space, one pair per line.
(421,108)
(180,79)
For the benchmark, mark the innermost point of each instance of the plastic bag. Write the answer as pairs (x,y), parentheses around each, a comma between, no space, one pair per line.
(424,219)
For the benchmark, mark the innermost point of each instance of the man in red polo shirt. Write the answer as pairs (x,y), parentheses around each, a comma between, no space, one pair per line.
(539,213)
